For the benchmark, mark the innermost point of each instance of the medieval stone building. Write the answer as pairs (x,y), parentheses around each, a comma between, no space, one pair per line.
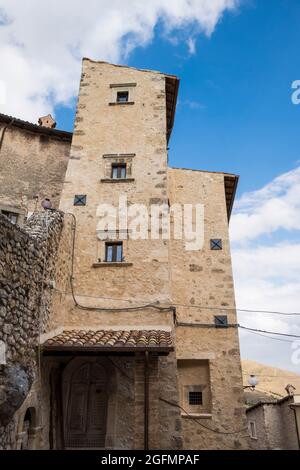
(119,342)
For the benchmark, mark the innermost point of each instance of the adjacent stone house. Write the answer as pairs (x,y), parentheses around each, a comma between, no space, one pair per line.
(139,346)
(275,424)
(33,163)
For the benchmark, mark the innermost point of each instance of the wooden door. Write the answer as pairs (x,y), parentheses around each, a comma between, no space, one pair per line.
(85,425)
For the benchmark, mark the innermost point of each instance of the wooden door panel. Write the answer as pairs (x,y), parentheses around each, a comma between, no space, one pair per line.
(87,408)
(77,412)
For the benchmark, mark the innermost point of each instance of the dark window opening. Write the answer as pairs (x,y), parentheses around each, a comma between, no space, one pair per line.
(118,171)
(12,216)
(122,96)
(252,430)
(195,398)
(216,244)
(114,252)
(80,200)
(221,321)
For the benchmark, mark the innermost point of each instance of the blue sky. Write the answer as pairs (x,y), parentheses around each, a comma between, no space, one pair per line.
(235,112)
(237,60)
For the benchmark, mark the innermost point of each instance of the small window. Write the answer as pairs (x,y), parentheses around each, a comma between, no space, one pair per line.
(195,398)
(216,244)
(12,216)
(252,430)
(122,96)
(118,171)
(114,252)
(80,200)
(221,321)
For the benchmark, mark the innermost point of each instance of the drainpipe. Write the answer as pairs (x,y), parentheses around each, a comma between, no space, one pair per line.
(146,402)
(3,132)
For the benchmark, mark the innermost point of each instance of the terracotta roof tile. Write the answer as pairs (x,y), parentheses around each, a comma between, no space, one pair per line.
(108,339)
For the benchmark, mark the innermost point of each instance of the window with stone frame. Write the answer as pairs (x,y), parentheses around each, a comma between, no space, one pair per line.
(122,93)
(122,96)
(118,167)
(12,216)
(118,170)
(252,429)
(15,214)
(114,252)
(195,390)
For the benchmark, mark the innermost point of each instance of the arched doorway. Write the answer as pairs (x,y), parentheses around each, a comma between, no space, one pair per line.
(27,433)
(86,407)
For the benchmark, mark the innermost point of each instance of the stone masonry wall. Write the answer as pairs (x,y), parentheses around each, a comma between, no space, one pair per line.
(103,130)
(275,426)
(31,164)
(27,264)
(199,279)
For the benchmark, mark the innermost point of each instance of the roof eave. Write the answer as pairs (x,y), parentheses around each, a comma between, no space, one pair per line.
(56,350)
(171,109)
(29,126)
(231,197)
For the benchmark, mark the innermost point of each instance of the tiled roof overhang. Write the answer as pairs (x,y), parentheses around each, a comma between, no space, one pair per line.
(28,126)
(108,341)
(172,86)
(231,182)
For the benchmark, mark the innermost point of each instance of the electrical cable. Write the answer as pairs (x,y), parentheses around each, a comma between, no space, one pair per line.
(156,307)
(198,422)
(271,337)
(268,332)
(134,309)
(176,405)
(186,305)
(103,309)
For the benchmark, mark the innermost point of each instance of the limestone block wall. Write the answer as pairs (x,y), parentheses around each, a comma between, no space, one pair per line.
(103,130)
(27,263)
(31,164)
(275,426)
(199,279)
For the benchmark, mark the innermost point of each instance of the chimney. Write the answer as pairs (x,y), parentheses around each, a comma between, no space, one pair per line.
(290,389)
(47,121)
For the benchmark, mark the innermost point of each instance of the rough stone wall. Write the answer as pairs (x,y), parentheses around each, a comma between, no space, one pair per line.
(27,263)
(276,426)
(257,415)
(31,164)
(289,431)
(204,278)
(164,421)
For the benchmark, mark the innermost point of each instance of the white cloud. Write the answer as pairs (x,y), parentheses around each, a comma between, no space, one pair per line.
(267,275)
(276,206)
(41,43)
(191,42)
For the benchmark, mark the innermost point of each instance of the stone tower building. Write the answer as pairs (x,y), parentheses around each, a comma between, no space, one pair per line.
(139,348)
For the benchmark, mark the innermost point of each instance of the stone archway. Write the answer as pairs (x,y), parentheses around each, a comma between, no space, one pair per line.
(87,400)
(27,437)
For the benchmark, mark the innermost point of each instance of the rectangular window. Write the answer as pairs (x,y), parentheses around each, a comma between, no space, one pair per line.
(12,216)
(195,398)
(80,200)
(122,96)
(114,252)
(252,429)
(216,244)
(221,321)
(118,171)
(194,386)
